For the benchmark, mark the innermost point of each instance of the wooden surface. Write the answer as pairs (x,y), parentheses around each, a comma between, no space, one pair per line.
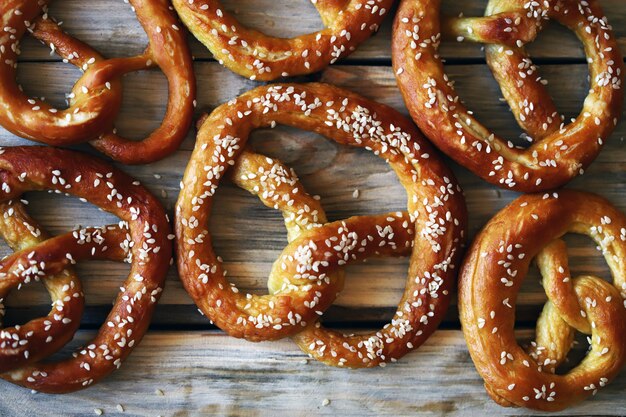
(202,371)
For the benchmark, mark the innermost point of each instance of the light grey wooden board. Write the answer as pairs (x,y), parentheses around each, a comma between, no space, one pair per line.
(207,373)
(93,23)
(326,169)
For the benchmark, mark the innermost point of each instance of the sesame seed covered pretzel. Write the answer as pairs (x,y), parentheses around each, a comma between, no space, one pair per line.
(492,274)
(255,55)
(306,277)
(96,97)
(278,187)
(559,151)
(140,238)
(46,335)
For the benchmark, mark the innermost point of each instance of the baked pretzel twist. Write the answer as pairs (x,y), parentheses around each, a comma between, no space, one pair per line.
(141,238)
(257,56)
(559,151)
(307,276)
(96,97)
(492,274)
(16,344)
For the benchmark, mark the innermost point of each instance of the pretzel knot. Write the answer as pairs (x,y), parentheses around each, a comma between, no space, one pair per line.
(96,97)
(558,151)
(140,238)
(492,274)
(258,56)
(307,276)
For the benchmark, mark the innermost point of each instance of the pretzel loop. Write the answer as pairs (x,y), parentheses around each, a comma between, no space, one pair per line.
(96,98)
(307,276)
(22,233)
(491,277)
(257,56)
(139,239)
(558,151)
(32,118)
(169,51)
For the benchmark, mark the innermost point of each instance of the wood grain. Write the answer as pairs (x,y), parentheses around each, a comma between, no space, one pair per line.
(207,373)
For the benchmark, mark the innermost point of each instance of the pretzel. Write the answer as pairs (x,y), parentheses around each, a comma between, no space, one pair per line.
(140,238)
(492,274)
(306,277)
(96,98)
(278,187)
(257,56)
(559,151)
(57,328)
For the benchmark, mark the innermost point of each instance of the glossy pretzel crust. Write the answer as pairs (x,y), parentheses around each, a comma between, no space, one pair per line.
(141,238)
(48,334)
(304,280)
(558,151)
(278,187)
(96,98)
(257,56)
(492,274)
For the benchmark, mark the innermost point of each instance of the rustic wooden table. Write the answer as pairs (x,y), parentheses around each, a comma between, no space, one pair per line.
(186,367)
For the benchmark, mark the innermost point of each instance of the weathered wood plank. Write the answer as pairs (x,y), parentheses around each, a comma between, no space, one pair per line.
(111,27)
(207,373)
(325,169)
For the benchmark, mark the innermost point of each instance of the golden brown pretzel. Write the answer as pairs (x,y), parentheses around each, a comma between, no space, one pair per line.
(49,333)
(257,56)
(492,274)
(559,151)
(278,187)
(304,279)
(140,238)
(406,331)
(96,97)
